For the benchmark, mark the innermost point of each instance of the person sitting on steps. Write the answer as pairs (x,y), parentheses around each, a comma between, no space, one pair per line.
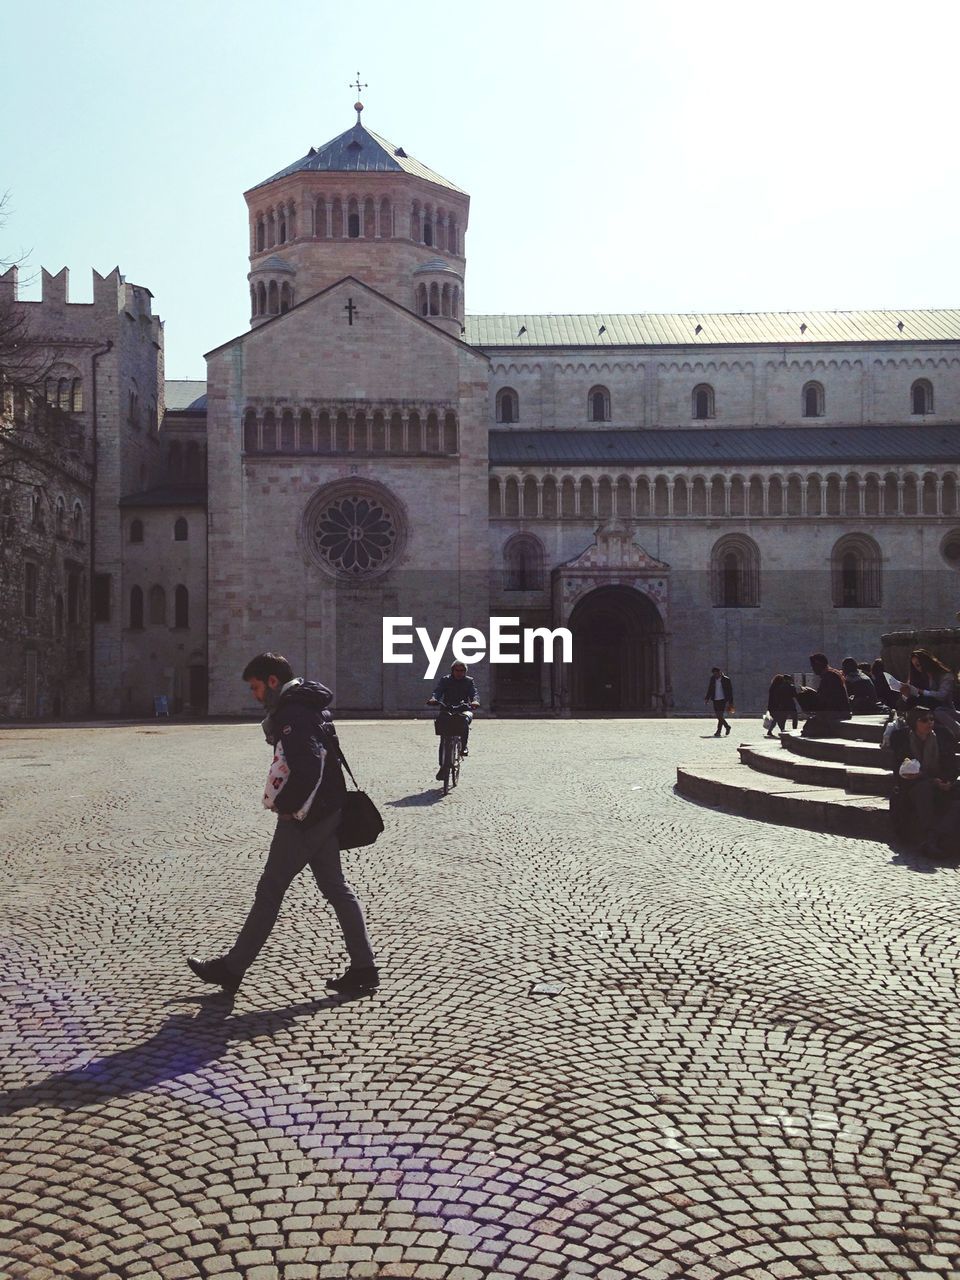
(826,705)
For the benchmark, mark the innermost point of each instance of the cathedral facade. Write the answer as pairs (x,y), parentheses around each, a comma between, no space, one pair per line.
(679,491)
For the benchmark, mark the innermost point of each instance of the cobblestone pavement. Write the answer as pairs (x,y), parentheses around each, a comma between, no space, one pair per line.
(752,1068)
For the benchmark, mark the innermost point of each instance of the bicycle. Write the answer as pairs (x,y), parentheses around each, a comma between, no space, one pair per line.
(451,723)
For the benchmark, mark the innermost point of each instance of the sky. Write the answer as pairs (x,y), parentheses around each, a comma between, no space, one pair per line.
(620,156)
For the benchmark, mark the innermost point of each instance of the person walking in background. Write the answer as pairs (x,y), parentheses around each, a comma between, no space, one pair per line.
(305,788)
(781,702)
(720,693)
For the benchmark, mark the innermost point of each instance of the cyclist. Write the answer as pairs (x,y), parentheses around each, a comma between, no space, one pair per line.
(450,691)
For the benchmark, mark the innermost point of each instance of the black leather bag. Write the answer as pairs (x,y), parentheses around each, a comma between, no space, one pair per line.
(360,820)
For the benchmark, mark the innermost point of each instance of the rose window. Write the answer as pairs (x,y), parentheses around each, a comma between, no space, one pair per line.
(355,535)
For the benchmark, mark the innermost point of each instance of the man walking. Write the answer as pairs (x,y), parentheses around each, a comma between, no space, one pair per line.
(720,693)
(305,788)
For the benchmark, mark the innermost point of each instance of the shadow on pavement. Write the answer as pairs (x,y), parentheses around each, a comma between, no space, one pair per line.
(418,799)
(184,1044)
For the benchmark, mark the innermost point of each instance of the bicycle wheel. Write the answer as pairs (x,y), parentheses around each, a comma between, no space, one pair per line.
(455,757)
(447,762)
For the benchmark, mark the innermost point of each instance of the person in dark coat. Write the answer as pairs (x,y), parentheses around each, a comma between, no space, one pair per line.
(720,693)
(781,702)
(828,704)
(860,690)
(925,804)
(885,695)
(305,789)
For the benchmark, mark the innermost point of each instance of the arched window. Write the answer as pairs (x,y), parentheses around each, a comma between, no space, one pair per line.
(181,530)
(703,403)
(136,609)
(353,221)
(181,607)
(251,436)
(286,298)
(36,509)
(136,530)
(735,572)
(598,404)
(434,300)
(508,405)
(282,225)
(422,305)
(261,235)
(415,222)
(261,299)
(77,523)
(921,397)
(61,515)
(523,563)
(813,401)
(158,606)
(76,396)
(386,219)
(273,298)
(855,571)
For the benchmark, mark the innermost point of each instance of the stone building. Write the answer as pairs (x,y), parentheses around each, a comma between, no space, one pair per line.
(70,448)
(678,490)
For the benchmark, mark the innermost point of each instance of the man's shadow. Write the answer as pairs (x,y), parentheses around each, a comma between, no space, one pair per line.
(184,1044)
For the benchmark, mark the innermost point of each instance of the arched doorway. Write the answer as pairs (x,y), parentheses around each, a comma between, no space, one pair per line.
(618,652)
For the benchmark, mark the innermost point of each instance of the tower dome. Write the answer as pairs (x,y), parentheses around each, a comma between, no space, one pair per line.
(359,206)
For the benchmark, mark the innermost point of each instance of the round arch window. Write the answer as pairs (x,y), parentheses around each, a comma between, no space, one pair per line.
(353,529)
(950,549)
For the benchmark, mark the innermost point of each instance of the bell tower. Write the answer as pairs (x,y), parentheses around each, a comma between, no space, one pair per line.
(359,206)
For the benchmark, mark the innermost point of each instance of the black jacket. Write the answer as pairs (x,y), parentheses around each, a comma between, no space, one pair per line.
(900,746)
(303,724)
(451,691)
(727,685)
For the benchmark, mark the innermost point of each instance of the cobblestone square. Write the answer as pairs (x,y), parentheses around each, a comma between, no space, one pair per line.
(752,1068)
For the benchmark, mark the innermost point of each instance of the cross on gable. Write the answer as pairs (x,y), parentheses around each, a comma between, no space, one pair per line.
(351,309)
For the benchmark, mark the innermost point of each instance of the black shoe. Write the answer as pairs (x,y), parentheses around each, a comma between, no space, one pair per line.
(717,734)
(728,730)
(355,982)
(216,971)
(439,775)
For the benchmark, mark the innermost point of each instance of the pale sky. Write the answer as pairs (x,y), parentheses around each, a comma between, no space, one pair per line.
(644,156)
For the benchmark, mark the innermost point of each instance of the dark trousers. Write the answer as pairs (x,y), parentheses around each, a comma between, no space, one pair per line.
(294,847)
(719,707)
(463,743)
(782,721)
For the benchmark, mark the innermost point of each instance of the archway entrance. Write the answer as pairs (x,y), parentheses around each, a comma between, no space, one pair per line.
(618,653)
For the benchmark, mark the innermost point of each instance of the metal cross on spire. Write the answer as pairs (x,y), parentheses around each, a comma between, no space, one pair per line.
(358,105)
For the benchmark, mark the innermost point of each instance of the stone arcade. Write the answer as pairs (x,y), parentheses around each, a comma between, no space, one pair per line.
(678,490)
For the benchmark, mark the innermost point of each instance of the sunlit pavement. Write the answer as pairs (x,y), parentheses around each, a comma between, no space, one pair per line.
(745,1063)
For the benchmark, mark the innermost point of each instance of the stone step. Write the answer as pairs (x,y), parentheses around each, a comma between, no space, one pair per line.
(862,728)
(770,759)
(793,804)
(839,750)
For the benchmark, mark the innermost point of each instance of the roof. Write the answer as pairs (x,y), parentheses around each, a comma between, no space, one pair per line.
(359,150)
(657,329)
(731,446)
(168,495)
(185,395)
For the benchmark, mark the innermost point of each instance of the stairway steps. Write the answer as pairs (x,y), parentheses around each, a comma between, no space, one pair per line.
(838,784)
(793,804)
(840,750)
(857,780)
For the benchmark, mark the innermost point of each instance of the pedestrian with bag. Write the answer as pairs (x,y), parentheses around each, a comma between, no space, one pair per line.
(306,790)
(720,693)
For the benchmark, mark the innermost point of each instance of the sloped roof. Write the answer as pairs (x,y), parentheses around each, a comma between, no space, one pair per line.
(359,150)
(185,395)
(703,329)
(770,446)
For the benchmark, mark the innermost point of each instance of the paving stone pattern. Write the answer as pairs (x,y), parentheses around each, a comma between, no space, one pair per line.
(752,1069)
